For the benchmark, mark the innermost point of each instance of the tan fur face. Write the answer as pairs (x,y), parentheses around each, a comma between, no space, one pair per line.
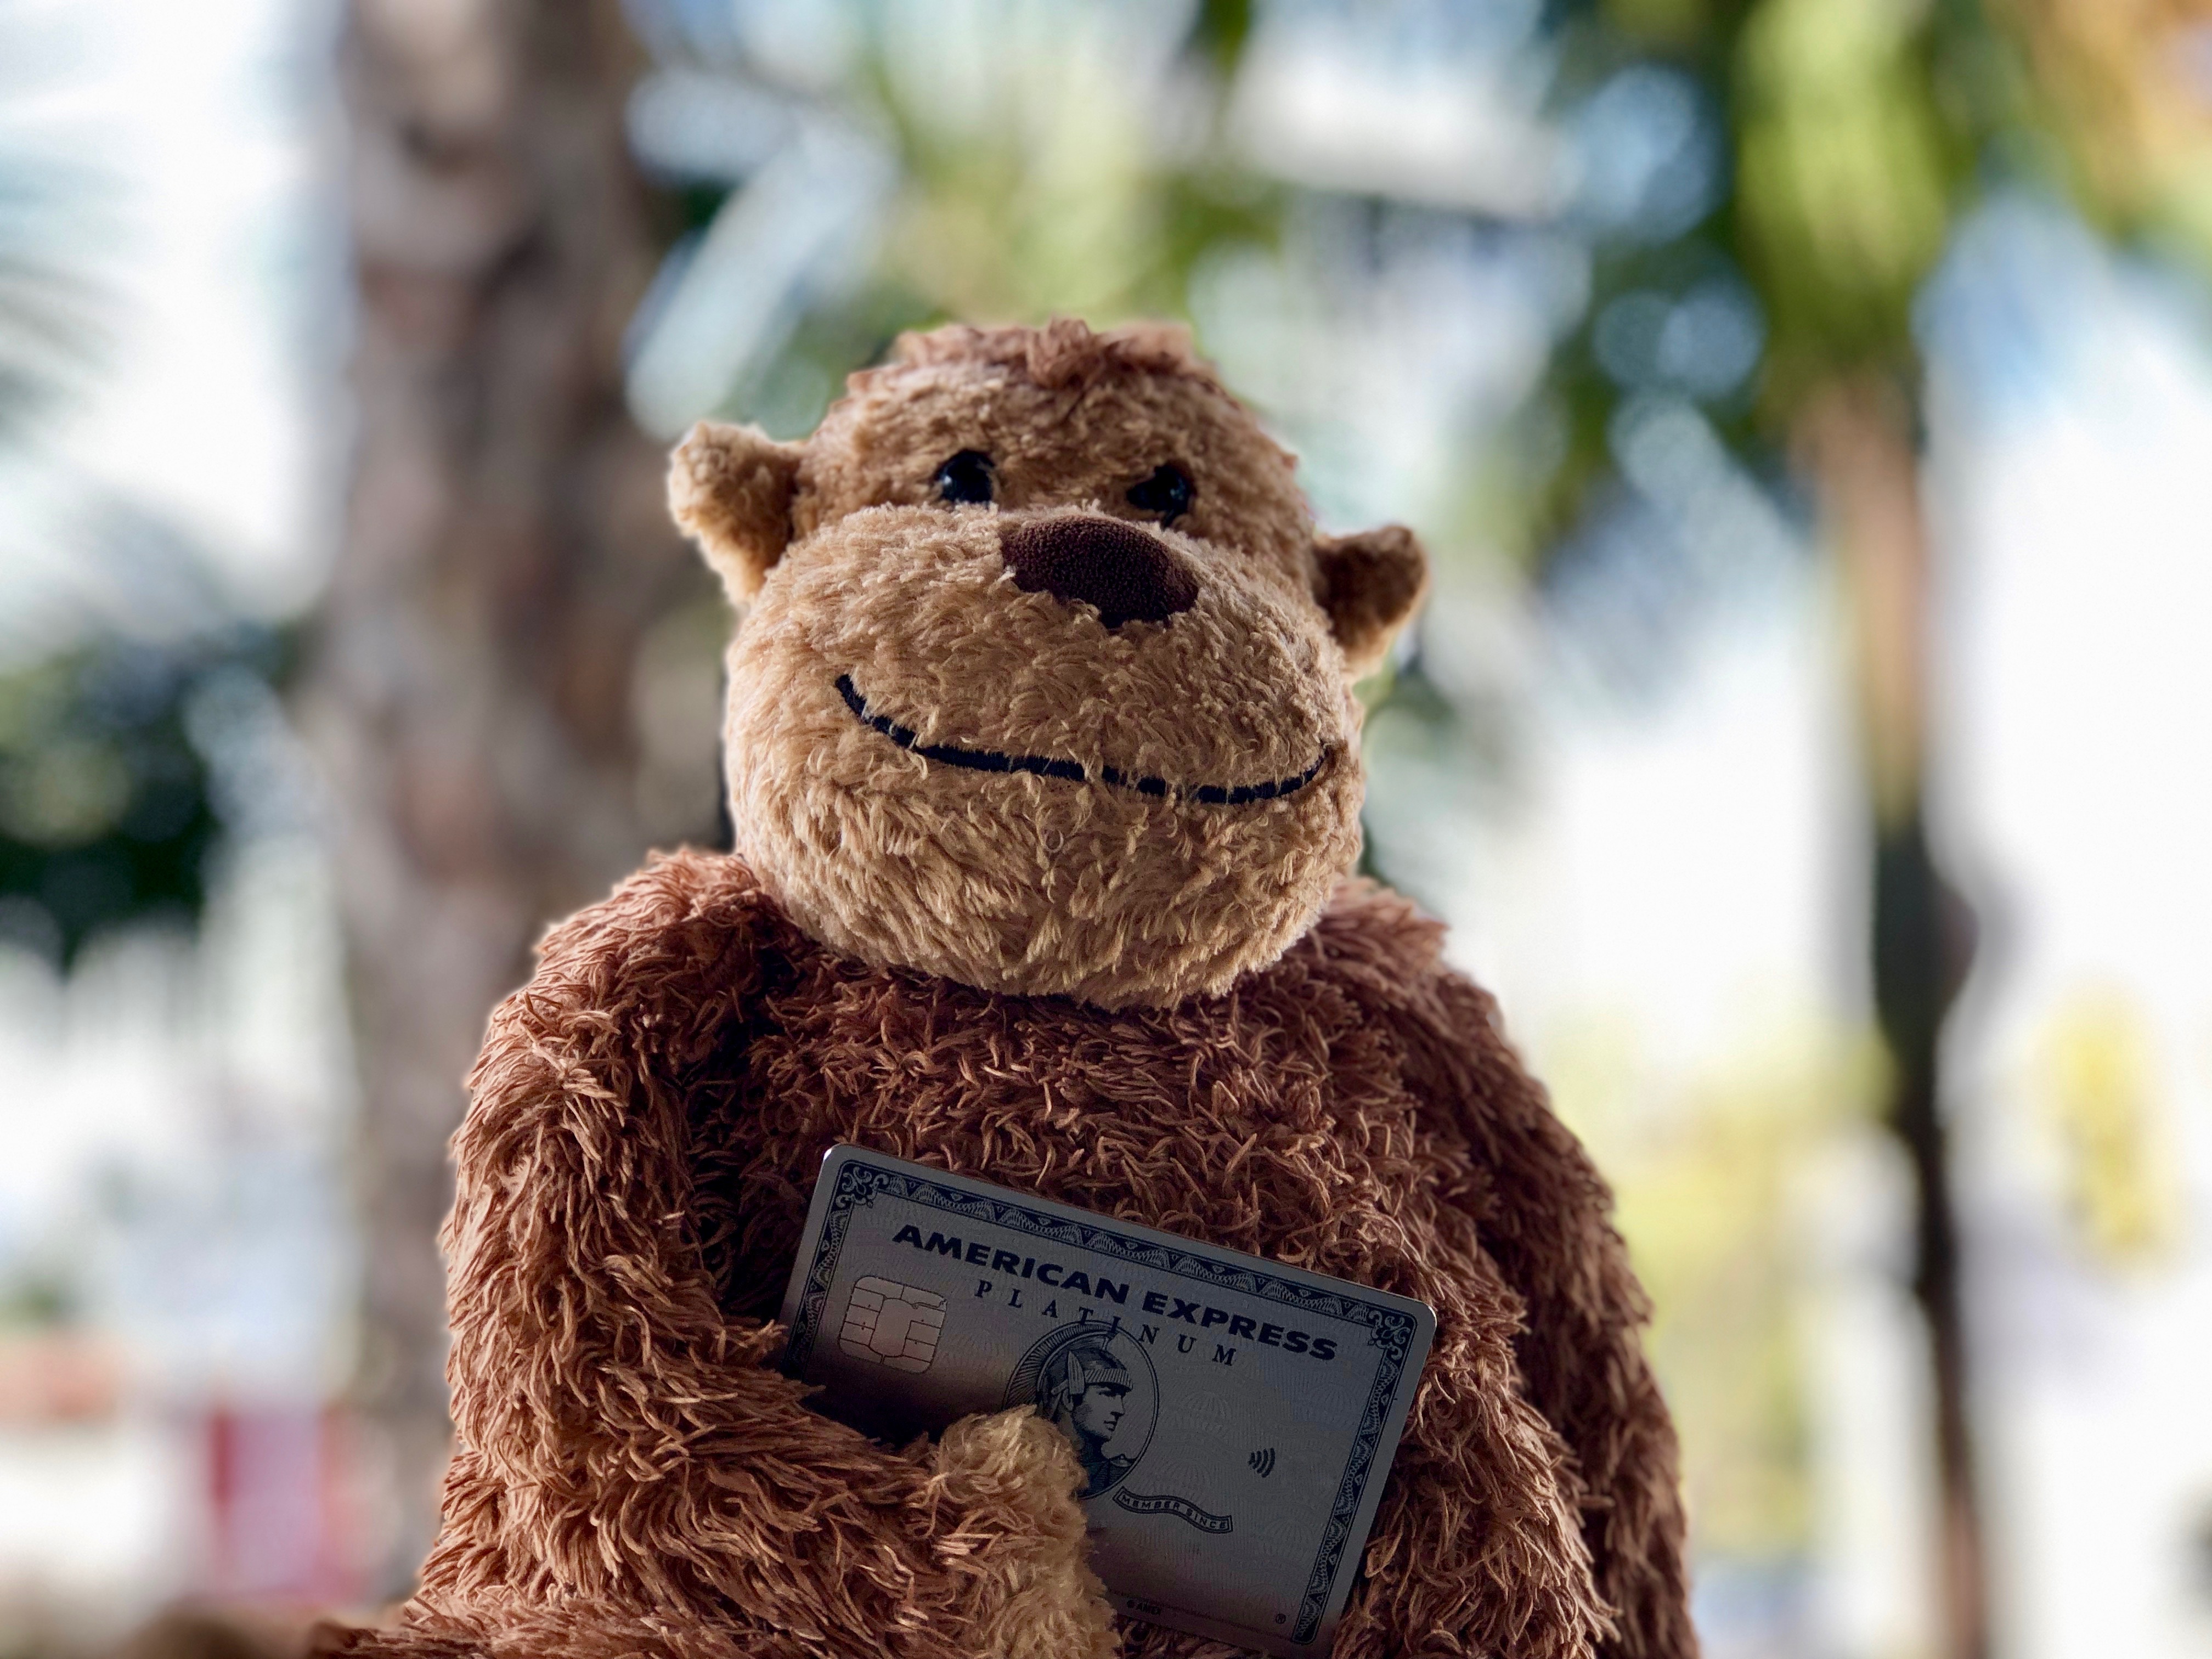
(1044,743)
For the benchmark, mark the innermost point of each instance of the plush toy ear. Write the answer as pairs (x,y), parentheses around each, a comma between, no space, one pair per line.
(1369,583)
(730,488)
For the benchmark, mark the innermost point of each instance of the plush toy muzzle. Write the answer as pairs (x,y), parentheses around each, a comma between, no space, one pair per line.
(1125,575)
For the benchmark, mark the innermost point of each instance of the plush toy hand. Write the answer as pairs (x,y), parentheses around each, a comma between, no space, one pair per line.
(977,1553)
(1012,1481)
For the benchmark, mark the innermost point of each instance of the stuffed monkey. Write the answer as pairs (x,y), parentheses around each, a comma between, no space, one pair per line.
(1044,760)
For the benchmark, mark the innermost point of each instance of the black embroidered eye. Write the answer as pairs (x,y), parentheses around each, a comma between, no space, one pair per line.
(966,477)
(1167,492)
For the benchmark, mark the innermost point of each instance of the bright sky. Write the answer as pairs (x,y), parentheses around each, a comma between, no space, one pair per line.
(210,241)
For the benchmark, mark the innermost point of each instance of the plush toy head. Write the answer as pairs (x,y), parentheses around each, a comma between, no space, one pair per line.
(1044,678)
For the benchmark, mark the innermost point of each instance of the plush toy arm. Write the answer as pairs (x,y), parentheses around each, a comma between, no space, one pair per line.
(1476,1547)
(623,1446)
(1543,1214)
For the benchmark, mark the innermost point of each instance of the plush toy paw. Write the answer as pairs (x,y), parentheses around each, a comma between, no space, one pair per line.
(1013,1479)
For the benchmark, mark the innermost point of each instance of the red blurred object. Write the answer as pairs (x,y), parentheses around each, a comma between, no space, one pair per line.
(279,1516)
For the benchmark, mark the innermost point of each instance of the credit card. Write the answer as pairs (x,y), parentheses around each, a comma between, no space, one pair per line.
(1235,1418)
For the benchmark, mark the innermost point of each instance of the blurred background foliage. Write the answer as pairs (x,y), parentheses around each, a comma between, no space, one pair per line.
(108,809)
(111,738)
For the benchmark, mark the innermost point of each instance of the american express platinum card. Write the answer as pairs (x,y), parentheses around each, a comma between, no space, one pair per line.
(1235,1418)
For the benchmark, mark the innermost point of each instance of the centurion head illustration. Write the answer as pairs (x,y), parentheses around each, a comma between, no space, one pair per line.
(1085,1387)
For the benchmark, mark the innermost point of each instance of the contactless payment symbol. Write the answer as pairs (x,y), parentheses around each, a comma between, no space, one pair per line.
(893,1324)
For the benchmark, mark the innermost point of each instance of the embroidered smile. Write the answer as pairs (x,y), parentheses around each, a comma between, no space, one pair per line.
(991,760)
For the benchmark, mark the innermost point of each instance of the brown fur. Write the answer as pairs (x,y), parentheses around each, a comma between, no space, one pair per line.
(633,1179)
(731,487)
(1062,354)
(1146,1004)
(1370,582)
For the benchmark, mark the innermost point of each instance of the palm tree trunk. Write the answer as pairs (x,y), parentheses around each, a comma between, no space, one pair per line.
(1859,440)
(505,548)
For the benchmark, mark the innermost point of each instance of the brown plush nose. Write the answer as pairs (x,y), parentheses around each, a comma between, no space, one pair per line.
(1129,576)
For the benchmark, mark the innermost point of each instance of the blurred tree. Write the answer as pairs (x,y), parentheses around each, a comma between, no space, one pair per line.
(1022,181)
(107,813)
(506,555)
(1841,141)
(1841,133)
(2119,91)
(109,785)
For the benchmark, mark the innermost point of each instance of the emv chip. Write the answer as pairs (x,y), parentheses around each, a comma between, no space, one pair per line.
(893,1324)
